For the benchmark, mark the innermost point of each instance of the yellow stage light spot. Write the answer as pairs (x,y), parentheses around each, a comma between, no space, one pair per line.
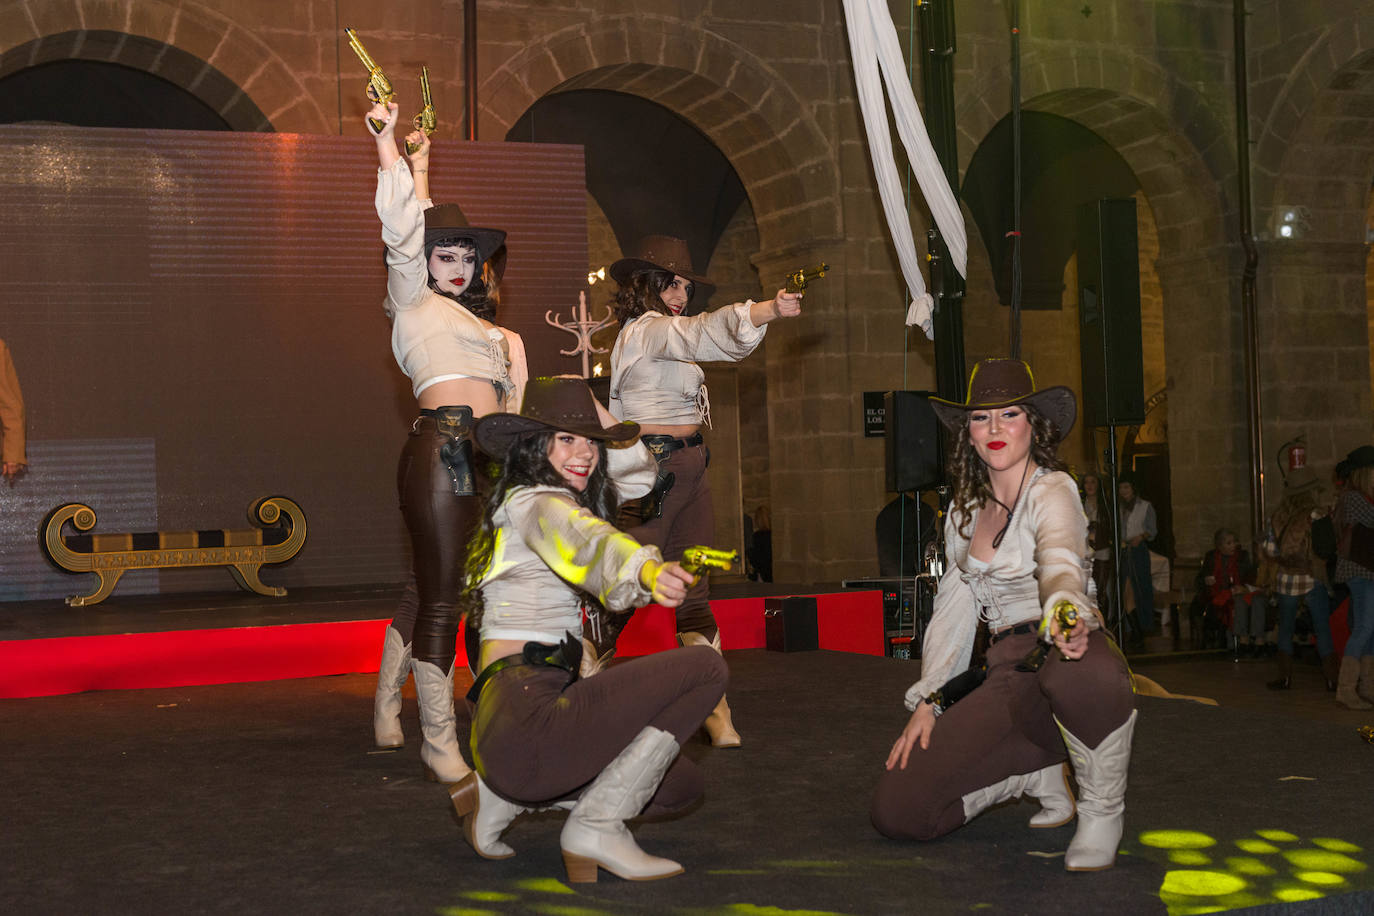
(1296,894)
(544,886)
(1177,909)
(1243,865)
(463,911)
(1189,857)
(807,863)
(1277,836)
(1331,844)
(1201,883)
(749,909)
(1257,847)
(1322,878)
(1176,839)
(1320,860)
(490,896)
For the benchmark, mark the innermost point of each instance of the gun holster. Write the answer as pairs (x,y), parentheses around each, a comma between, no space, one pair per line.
(455,423)
(652,505)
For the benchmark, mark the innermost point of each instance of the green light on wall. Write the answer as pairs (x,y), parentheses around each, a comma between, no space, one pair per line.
(1189,857)
(1320,878)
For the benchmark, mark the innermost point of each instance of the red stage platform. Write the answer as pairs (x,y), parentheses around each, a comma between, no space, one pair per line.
(849,621)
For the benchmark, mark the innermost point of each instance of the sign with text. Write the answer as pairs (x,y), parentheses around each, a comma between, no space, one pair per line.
(874,414)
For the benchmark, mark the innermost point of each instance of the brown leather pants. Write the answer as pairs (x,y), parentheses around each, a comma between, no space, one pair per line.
(435,482)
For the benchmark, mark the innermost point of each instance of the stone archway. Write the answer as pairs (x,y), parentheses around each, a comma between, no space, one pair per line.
(1179,151)
(222,64)
(786,162)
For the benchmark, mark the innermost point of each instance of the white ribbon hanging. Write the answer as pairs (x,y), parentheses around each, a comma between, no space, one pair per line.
(873,44)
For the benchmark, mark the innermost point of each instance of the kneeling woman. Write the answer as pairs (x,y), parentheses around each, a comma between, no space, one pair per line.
(1017,546)
(605,747)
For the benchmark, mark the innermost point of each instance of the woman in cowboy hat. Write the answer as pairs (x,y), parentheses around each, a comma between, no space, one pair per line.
(1301,577)
(440,299)
(1017,547)
(656,382)
(603,747)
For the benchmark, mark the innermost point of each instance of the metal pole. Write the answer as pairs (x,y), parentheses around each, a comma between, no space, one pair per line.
(1248,296)
(937,84)
(470,63)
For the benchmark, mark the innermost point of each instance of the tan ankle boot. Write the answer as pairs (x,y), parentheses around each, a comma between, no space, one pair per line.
(718,724)
(1365,688)
(1346,680)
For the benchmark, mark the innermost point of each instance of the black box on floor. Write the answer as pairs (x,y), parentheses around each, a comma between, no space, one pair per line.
(789,624)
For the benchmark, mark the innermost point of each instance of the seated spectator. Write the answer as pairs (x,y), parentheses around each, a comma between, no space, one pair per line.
(1226,582)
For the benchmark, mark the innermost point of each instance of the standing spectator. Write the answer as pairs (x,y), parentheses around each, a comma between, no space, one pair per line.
(11,419)
(1354,518)
(761,545)
(1138,528)
(1100,534)
(1301,576)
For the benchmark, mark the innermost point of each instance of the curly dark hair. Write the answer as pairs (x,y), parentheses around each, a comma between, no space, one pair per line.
(527,465)
(972,487)
(482,296)
(644,294)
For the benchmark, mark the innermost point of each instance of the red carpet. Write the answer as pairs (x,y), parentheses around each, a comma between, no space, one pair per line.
(846,621)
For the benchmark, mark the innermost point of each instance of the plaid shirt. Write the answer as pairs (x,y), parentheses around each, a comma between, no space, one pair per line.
(1286,582)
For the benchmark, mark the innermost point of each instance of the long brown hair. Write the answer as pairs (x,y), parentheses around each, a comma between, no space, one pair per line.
(644,294)
(973,486)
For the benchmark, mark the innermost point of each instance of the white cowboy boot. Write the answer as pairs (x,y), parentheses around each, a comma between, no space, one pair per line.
(485,816)
(1046,785)
(718,724)
(1050,787)
(1101,773)
(391,677)
(595,835)
(442,760)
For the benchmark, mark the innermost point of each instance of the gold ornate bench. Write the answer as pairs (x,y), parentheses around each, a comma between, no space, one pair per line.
(278,536)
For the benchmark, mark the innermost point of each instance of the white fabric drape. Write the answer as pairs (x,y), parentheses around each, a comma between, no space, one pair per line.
(873,45)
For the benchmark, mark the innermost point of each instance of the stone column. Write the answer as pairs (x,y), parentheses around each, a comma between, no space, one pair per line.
(1208,443)
(1313,351)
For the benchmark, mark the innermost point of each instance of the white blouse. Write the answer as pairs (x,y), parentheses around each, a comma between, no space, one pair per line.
(1043,559)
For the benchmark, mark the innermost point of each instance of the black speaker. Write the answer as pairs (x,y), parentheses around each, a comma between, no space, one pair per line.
(789,624)
(912,443)
(1109,314)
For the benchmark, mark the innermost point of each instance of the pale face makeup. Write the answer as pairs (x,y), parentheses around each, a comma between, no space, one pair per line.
(453,267)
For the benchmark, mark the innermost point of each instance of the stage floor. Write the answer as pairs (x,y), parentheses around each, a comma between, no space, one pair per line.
(269,798)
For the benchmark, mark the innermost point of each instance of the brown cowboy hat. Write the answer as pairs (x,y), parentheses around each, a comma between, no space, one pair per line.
(659,252)
(563,403)
(446,221)
(1003,383)
(1300,480)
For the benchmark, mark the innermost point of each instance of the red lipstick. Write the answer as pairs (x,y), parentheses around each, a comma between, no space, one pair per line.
(997,445)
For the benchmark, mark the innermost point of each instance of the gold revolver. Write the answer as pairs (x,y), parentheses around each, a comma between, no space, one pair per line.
(1066,614)
(427,121)
(378,86)
(797,279)
(697,560)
